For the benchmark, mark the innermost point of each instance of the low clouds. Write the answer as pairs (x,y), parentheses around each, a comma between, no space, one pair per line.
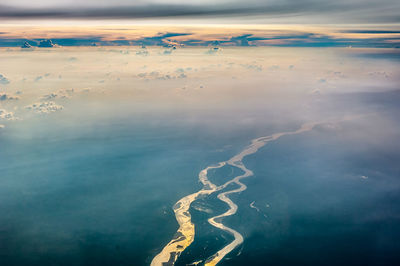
(44,107)
(180,73)
(383,38)
(165,39)
(4,80)
(46,104)
(49,96)
(213,50)
(254,67)
(7,97)
(46,44)
(61,94)
(5,115)
(372,31)
(26,45)
(143,52)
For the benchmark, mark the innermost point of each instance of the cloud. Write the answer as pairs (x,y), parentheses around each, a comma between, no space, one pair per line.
(49,97)
(253,67)
(27,46)
(382,74)
(273,67)
(372,31)
(5,115)
(46,44)
(182,76)
(6,97)
(307,10)
(213,50)
(194,37)
(169,51)
(180,73)
(61,94)
(162,39)
(143,51)
(44,107)
(4,80)
(379,55)
(241,40)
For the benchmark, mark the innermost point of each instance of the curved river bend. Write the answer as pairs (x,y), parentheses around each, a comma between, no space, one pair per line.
(185,234)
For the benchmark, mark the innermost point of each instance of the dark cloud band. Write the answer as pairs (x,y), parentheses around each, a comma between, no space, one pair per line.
(339,11)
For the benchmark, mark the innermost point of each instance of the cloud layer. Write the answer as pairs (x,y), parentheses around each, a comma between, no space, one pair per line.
(339,11)
(307,36)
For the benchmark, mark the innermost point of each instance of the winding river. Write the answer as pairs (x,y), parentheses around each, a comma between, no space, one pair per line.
(185,234)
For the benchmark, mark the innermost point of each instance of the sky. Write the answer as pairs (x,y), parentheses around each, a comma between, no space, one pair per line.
(300,11)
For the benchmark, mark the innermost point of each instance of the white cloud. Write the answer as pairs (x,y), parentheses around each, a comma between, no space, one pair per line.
(61,94)
(46,44)
(4,80)
(53,96)
(6,97)
(5,115)
(142,52)
(44,107)
(253,67)
(213,50)
(273,67)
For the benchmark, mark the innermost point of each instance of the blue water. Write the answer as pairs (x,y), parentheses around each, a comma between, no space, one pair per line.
(98,189)
(315,208)
(98,193)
